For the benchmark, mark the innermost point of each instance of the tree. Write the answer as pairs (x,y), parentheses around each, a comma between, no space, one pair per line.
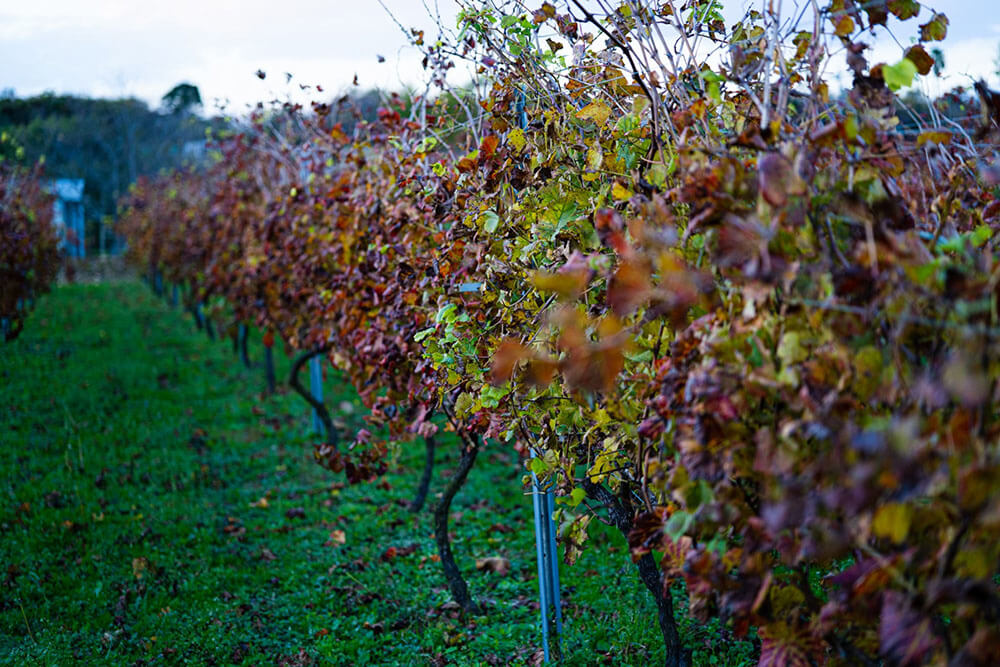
(108,143)
(182,98)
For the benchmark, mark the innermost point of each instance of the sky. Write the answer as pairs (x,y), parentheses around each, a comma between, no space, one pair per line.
(115,48)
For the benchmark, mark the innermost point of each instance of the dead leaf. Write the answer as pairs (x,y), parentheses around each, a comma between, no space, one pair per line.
(495,564)
(377,628)
(775,175)
(504,359)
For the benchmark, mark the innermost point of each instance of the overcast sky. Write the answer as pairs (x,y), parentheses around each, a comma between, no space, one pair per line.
(128,47)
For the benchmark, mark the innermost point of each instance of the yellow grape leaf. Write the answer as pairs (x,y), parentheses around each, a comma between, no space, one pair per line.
(595,156)
(620,193)
(605,463)
(892,520)
(934,137)
(936,29)
(463,404)
(516,139)
(639,104)
(597,111)
(868,370)
(568,284)
(975,563)
(791,350)
(844,26)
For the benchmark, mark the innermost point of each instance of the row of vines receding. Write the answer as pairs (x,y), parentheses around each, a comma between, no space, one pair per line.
(30,257)
(746,317)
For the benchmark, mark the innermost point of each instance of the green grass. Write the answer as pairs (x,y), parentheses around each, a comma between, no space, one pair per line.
(134,457)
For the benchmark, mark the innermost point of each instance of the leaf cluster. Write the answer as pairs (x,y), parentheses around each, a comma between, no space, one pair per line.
(29,244)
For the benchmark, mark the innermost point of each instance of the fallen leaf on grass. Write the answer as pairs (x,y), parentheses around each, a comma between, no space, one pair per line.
(337,538)
(234,527)
(434,558)
(377,628)
(395,552)
(295,513)
(494,564)
(267,554)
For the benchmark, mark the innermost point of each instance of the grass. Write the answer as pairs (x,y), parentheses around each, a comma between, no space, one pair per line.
(157,508)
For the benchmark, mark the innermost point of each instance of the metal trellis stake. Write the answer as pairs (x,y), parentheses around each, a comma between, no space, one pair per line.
(316,388)
(544,501)
(548,564)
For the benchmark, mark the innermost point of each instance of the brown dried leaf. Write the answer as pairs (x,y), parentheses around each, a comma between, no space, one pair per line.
(918,55)
(495,564)
(774,173)
(505,359)
(628,288)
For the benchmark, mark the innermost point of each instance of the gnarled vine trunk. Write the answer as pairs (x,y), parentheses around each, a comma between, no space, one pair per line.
(622,515)
(209,325)
(425,480)
(242,334)
(196,314)
(269,374)
(459,589)
(332,436)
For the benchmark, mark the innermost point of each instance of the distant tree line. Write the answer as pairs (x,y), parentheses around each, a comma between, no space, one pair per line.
(107,142)
(112,142)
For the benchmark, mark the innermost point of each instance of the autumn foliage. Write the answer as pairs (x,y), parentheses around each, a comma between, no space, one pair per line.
(29,244)
(738,315)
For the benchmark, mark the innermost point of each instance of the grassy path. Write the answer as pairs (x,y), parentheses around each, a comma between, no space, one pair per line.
(156,508)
